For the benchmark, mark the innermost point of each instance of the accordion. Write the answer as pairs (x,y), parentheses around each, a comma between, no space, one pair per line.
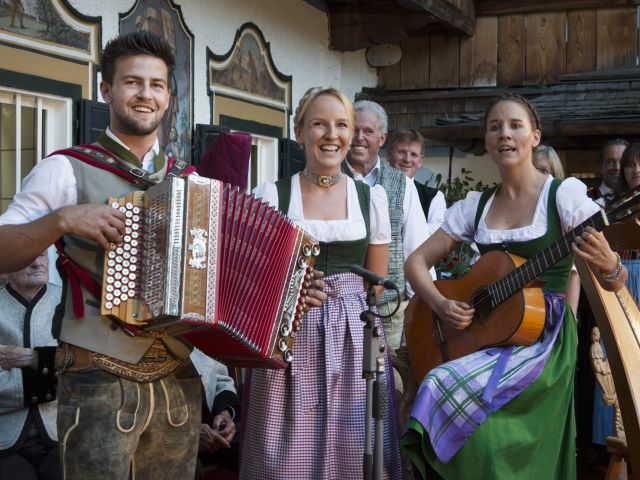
(217,266)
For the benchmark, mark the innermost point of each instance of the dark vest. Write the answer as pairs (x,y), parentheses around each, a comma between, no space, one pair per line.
(426,194)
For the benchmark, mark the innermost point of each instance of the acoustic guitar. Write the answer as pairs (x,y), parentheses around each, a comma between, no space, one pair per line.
(508,301)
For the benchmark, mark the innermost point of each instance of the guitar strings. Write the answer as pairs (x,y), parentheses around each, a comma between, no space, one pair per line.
(518,277)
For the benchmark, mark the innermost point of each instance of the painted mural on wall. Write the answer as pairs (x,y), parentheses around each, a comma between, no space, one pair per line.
(248,68)
(165,18)
(40,19)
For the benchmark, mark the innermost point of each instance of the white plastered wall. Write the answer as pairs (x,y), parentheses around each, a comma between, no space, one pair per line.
(298,34)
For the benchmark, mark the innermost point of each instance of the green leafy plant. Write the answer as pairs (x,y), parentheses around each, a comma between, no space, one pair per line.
(458,262)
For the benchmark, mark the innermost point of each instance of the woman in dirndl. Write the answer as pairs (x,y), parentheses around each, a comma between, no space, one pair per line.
(507,412)
(308,421)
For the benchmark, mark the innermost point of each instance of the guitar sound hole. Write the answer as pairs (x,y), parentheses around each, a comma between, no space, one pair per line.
(481,301)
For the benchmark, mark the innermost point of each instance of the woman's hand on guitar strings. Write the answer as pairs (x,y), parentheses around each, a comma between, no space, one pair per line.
(594,248)
(456,314)
(315,294)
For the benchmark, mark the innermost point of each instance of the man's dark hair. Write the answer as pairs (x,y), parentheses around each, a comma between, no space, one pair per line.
(138,43)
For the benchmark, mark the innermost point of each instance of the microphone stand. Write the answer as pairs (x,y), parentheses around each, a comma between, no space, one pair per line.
(373,358)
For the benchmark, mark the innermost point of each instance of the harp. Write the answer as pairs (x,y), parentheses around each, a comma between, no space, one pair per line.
(618,319)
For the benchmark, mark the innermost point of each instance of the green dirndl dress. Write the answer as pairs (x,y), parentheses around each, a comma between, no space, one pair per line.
(532,436)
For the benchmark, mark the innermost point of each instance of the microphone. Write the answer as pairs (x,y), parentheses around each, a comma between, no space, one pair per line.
(372,278)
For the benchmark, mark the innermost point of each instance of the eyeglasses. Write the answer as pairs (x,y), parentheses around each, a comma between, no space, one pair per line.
(545,170)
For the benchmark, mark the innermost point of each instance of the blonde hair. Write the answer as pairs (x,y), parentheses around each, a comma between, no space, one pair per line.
(315,92)
(548,153)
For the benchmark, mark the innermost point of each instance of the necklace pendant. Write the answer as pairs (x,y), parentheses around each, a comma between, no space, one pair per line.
(325,181)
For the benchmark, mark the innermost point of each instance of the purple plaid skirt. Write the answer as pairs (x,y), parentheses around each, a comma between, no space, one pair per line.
(307,422)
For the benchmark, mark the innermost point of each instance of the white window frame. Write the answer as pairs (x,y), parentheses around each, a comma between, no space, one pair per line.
(267,160)
(57,130)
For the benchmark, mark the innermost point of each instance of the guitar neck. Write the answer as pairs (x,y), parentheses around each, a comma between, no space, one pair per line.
(543,260)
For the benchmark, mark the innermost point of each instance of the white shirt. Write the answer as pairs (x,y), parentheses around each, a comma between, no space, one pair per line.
(414,226)
(51,184)
(574,207)
(352,228)
(604,190)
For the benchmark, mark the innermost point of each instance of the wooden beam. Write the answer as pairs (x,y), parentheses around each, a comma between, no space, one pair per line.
(446,12)
(501,7)
(352,28)
(618,128)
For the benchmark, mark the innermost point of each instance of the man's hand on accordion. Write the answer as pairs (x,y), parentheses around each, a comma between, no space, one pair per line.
(315,294)
(101,223)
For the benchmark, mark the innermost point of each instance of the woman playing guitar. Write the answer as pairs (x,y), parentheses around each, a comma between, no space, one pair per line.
(505,411)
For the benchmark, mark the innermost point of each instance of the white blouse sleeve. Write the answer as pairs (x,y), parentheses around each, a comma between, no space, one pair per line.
(267,192)
(574,207)
(379,216)
(460,218)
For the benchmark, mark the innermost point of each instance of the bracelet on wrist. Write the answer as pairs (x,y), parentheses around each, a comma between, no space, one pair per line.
(610,277)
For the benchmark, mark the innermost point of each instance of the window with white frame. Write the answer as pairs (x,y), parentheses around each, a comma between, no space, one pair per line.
(31,126)
(263,165)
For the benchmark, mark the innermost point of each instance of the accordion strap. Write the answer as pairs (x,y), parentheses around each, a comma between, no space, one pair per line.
(100,158)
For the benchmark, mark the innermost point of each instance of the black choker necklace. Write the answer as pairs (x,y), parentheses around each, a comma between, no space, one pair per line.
(324,181)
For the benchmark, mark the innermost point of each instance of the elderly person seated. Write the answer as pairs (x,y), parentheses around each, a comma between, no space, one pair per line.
(220,413)
(28,437)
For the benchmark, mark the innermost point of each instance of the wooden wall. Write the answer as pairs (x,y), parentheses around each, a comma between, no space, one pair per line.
(517,50)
